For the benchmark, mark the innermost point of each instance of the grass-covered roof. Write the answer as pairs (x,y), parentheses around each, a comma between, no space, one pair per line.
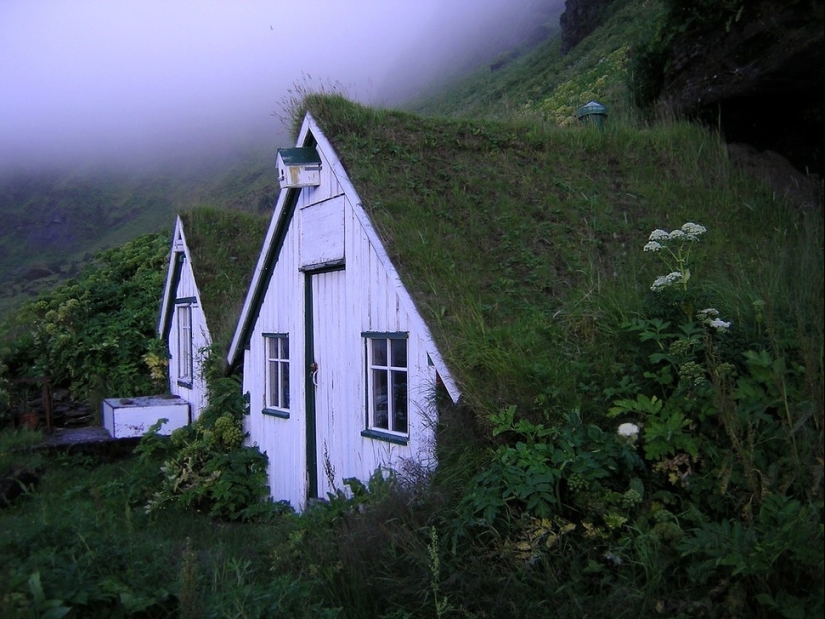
(224,246)
(522,243)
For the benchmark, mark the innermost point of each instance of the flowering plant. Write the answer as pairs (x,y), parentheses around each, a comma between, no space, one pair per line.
(673,248)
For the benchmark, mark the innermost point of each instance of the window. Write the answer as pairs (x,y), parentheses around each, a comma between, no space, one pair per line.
(184,313)
(277,373)
(387,401)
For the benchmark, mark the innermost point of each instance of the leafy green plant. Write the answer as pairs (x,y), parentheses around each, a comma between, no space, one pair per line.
(90,335)
(208,468)
(529,475)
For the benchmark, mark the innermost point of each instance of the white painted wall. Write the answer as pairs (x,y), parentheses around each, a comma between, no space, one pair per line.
(187,289)
(364,297)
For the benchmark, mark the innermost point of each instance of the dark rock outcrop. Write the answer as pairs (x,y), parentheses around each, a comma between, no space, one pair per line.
(759,78)
(755,71)
(580,18)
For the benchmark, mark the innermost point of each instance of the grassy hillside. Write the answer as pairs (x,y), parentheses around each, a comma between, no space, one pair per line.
(522,242)
(54,222)
(638,325)
(544,85)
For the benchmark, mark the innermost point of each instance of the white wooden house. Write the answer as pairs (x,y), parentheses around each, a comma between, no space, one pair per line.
(339,365)
(182,325)
(210,264)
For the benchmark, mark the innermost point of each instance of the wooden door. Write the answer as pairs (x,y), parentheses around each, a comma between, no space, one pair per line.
(328,373)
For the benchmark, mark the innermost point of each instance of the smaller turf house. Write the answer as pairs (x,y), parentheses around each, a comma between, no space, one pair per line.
(211,258)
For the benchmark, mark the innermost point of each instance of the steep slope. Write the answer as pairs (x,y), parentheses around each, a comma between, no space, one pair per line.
(503,231)
(54,221)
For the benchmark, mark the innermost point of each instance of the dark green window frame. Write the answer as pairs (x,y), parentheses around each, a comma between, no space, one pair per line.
(387,386)
(185,342)
(276,375)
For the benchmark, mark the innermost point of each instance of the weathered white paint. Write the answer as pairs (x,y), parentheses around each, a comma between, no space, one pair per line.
(184,287)
(322,232)
(332,257)
(291,174)
(129,417)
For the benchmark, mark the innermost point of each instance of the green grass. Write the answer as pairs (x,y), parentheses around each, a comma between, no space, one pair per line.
(84,532)
(521,242)
(524,290)
(15,447)
(544,85)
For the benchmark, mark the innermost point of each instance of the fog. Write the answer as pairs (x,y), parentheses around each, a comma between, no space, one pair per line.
(151,80)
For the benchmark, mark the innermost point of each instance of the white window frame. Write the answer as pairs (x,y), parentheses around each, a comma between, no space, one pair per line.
(185,360)
(376,427)
(277,392)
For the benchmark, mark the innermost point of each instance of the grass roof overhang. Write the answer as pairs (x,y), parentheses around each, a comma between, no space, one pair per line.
(521,244)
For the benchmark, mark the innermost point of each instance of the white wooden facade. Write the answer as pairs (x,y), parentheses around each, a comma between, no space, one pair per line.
(325,285)
(183,326)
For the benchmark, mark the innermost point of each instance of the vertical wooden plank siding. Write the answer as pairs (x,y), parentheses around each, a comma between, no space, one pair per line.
(187,289)
(281,439)
(346,303)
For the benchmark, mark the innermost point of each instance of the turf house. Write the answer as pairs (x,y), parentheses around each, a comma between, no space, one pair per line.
(211,257)
(339,365)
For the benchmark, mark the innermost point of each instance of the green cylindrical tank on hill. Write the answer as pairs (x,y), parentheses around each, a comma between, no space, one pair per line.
(592,113)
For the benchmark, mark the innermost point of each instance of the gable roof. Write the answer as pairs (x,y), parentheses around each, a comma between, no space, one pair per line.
(494,229)
(223,246)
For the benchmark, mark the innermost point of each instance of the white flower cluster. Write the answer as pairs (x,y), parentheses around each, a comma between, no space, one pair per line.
(688,232)
(710,317)
(628,433)
(693,231)
(663,281)
(628,430)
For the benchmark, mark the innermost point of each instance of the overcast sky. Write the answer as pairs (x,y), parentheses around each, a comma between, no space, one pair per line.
(118,78)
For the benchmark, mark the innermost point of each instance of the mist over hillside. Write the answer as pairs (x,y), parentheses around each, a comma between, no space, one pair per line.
(128,84)
(116,120)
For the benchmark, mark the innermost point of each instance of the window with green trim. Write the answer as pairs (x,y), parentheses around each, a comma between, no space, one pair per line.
(277,371)
(387,393)
(184,315)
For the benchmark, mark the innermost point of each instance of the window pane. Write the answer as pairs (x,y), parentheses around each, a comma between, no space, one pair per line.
(284,384)
(379,399)
(284,347)
(271,348)
(184,342)
(379,352)
(272,384)
(399,401)
(399,353)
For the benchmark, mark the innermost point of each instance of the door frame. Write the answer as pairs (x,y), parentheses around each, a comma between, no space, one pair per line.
(309,361)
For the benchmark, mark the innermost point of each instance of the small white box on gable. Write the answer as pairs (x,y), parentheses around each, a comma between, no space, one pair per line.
(298,167)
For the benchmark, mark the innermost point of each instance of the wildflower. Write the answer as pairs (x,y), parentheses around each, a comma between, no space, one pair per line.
(693,230)
(658,235)
(710,317)
(663,281)
(719,324)
(653,246)
(628,430)
(676,235)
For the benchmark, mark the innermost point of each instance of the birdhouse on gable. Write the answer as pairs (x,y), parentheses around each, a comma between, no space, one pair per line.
(298,167)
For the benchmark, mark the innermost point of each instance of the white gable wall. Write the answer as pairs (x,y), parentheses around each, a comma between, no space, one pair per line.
(361,298)
(186,293)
